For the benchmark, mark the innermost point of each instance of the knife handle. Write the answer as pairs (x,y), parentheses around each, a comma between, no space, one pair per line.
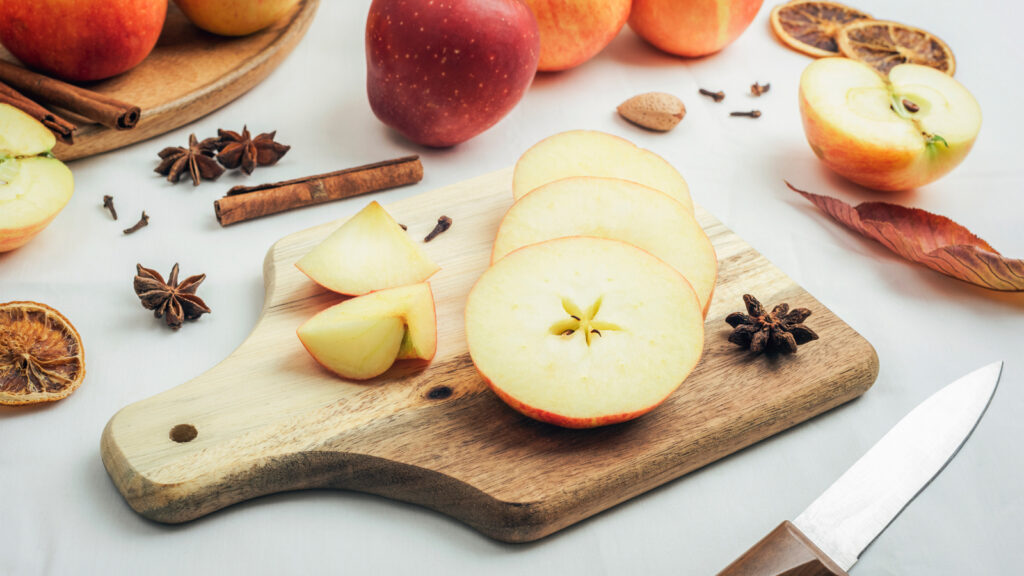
(784,552)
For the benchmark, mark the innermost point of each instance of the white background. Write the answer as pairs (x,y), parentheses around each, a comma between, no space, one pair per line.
(60,514)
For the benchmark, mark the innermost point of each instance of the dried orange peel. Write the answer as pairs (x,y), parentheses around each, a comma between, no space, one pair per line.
(41,354)
(812,27)
(882,45)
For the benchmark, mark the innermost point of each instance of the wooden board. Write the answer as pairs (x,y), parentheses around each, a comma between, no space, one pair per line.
(270,419)
(189,74)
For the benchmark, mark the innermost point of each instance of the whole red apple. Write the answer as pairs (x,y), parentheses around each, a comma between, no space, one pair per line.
(692,28)
(443,72)
(81,40)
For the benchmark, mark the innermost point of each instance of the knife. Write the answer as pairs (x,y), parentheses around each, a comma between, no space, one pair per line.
(827,538)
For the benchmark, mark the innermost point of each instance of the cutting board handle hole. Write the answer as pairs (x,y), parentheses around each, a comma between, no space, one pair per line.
(184,433)
(439,392)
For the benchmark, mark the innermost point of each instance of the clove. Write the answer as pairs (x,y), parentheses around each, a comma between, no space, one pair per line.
(443,223)
(108,203)
(751,114)
(142,223)
(716,96)
(758,89)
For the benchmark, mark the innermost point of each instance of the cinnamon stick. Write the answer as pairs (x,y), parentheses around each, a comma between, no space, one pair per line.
(97,107)
(61,128)
(247,202)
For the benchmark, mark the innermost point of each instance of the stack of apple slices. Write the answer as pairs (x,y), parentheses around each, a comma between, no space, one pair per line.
(592,311)
(392,315)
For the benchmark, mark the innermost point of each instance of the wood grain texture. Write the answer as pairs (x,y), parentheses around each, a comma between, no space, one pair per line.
(270,419)
(189,74)
(785,551)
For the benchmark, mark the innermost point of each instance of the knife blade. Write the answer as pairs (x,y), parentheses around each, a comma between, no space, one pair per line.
(827,538)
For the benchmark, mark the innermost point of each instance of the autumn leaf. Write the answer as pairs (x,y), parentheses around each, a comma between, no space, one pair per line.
(930,239)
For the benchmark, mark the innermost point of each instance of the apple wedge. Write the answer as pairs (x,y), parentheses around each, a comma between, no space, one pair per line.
(582,332)
(592,153)
(362,337)
(887,133)
(369,252)
(618,210)
(33,188)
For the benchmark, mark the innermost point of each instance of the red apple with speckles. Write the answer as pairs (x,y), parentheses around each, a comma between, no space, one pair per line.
(443,71)
(81,40)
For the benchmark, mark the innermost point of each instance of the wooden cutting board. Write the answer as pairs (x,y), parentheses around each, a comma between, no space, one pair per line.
(189,74)
(268,418)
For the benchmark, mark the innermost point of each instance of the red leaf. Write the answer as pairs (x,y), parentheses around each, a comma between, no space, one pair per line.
(920,236)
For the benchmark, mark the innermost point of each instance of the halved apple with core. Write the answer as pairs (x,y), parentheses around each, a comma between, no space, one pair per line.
(618,210)
(362,337)
(582,332)
(892,133)
(369,252)
(34,188)
(592,153)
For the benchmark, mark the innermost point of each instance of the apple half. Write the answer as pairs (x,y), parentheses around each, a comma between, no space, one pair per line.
(34,187)
(362,337)
(368,252)
(618,210)
(887,133)
(583,332)
(593,153)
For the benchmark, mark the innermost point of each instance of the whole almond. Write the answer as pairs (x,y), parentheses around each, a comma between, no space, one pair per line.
(653,110)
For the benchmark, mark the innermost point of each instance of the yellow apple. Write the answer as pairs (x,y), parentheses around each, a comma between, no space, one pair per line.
(618,210)
(692,28)
(234,17)
(887,133)
(574,31)
(362,337)
(368,252)
(582,332)
(593,153)
(34,188)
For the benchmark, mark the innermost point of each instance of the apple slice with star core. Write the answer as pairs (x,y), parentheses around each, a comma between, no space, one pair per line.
(368,252)
(362,337)
(582,332)
(593,153)
(887,133)
(618,210)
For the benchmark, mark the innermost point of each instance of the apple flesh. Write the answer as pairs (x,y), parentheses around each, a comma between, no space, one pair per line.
(582,332)
(81,40)
(234,17)
(362,337)
(574,31)
(692,28)
(892,133)
(443,72)
(33,188)
(593,153)
(368,252)
(617,210)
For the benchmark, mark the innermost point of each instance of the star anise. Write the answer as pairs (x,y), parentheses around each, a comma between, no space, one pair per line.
(781,330)
(197,159)
(175,302)
(245,152)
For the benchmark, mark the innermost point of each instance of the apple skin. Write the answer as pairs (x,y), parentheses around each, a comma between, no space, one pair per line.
(81,40)
(879,163)
(234,17)
(443,72)
(692,28)
(13,238)
(574,31)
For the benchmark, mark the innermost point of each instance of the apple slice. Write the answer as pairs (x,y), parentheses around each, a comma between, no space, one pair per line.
(33,188)
(582,332)
(369,252)
(617,210)
(892,133)
(592,153)
(362,337)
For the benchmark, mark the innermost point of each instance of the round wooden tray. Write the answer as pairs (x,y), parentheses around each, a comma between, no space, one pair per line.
(189,74)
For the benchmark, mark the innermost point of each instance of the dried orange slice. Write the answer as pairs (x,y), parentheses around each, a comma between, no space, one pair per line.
(882,45)
(811,27)
(41,355)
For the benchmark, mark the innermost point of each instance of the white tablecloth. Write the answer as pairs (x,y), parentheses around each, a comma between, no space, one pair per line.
(60,513)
